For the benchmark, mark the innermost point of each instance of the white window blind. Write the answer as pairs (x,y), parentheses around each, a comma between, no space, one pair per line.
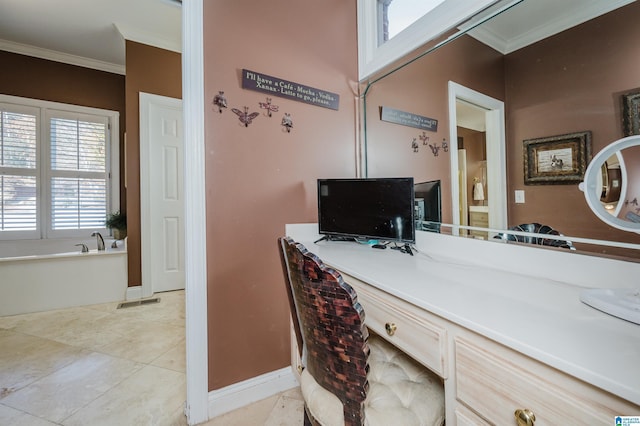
(18,169)
(56,177)
(78,175)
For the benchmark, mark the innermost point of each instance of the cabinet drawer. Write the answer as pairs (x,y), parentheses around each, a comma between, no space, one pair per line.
(494,381)
(479,219)
(414,334)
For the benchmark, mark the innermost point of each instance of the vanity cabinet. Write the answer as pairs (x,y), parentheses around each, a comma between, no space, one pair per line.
(501,334)
(479,217)
(485,382)
(495,382)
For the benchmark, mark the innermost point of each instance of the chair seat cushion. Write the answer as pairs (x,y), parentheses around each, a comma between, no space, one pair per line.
(401,392)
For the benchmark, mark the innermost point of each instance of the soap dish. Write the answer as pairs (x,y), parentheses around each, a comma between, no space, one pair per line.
(623,303)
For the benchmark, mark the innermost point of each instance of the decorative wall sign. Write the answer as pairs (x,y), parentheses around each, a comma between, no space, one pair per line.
(287,89)
(244,116)
(269,106)
(220,101)
(408,119)
(287,122)
(559,159)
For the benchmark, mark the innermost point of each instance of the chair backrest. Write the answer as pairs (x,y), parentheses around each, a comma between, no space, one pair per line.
(537,229)
(331,327)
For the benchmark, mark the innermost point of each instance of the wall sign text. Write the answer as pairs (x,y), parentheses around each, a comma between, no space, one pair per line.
(408,119)
(287,89)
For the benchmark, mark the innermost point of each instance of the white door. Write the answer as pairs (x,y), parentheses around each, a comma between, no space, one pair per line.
(496,163)
(161,194)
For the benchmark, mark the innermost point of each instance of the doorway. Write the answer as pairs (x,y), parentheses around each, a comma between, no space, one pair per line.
(161,189)
(488,115)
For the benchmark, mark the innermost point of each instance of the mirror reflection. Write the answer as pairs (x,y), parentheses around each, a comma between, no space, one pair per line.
(610,179)
(556,85)
(629,200)
(396,15)
(612,184)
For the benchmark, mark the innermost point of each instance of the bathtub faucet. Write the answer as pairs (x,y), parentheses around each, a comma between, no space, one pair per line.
(99,239)
(85,249)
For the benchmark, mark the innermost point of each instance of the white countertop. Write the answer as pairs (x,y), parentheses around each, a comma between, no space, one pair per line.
(539,317)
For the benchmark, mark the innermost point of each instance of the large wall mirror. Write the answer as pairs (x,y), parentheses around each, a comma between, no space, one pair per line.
(539,88)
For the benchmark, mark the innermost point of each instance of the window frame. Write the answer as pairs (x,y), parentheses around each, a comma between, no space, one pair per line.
(373,57)
(45,110)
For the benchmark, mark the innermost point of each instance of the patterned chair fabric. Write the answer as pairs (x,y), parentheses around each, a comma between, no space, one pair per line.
(329,323)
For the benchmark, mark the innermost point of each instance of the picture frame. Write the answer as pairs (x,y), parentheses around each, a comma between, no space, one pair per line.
(557,160)
(631,113)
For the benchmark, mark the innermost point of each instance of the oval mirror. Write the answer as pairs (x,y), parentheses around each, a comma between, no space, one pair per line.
(611,190)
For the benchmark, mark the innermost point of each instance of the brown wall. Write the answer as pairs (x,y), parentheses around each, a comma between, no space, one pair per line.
(149,70)
(35,78)
(421,88)
(259,178)
(569,83)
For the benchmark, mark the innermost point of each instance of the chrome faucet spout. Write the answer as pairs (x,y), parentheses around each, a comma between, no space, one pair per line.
(99,239)
(85,249)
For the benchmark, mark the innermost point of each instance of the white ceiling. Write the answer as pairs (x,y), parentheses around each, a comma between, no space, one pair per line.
(88,32)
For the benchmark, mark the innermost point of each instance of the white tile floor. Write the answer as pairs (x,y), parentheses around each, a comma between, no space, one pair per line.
(98,365)
(285,409)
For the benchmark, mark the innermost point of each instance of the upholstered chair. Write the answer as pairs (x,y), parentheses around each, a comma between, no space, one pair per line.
(537,229)
(350,377)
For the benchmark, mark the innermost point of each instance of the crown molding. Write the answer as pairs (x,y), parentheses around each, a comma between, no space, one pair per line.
(66,58)
(553,26)
(134,34)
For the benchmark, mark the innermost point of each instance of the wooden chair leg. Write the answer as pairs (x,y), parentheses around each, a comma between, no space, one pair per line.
(307,421)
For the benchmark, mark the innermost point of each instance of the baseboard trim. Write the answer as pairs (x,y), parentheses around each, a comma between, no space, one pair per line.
(249,391)
(133,293)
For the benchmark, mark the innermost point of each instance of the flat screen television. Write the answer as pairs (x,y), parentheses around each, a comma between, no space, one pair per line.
(371,208)
(428,205)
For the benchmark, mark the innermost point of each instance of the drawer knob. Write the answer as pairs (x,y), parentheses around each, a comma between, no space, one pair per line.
(391,328)
(524,417)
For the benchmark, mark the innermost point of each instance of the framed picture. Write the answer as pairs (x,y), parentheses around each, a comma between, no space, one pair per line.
(631,113)
(557,160)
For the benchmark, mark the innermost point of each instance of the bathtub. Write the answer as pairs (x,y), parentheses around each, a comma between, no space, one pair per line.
(39,275)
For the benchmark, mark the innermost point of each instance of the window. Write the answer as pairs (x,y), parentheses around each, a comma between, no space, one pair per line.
(18,169)
(390,29)
(396,15)
(56,177)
